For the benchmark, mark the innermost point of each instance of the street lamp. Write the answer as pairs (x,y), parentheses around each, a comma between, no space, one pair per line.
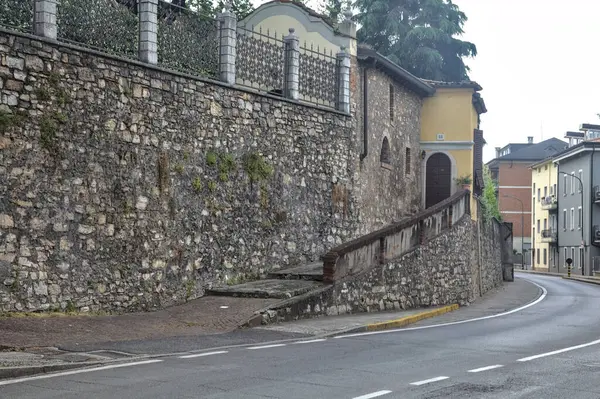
(522,228)
(582,235)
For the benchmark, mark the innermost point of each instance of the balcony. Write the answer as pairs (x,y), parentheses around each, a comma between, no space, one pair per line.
(549,236)
(596,235)
(549,203)
(597,195)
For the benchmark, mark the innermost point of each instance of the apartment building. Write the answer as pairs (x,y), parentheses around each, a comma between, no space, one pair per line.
(544,216)
(511,170)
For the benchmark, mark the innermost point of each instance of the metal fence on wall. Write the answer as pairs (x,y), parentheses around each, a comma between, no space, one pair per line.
(17,14)
(187,41)
(105,25)
(259,60)
(318,76)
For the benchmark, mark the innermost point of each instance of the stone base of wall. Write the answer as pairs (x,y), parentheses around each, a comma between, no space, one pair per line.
(457,266)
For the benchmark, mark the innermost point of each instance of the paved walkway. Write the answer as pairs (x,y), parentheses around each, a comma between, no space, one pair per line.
(207,315)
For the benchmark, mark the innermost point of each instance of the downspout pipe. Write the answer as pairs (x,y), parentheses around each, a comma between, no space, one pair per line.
(591,210)
(365,150)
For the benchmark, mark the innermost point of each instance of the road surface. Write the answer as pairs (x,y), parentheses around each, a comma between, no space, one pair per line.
(550,349)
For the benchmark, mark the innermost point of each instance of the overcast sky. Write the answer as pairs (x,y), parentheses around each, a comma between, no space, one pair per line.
(537,64)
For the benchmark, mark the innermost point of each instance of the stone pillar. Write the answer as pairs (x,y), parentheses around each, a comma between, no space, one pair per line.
(227,44)
(44,18)
(148,46)
(343,78)
(291,68)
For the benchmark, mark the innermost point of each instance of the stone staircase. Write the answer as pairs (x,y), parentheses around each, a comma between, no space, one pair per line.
(280,284)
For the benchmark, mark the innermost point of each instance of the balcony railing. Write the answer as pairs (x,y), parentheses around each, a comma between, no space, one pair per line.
(597,235)
(597,195)
(549,236)
(549,203)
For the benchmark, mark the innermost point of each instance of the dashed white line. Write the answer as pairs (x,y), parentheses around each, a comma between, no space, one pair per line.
(203,354)
(479,370)
(436,379)
(312,341)
(265,346)
(570,348)
(373,395)
(541,298)
(80,371)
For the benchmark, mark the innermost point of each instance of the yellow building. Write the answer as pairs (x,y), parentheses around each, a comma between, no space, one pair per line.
(452,141)
(544,222)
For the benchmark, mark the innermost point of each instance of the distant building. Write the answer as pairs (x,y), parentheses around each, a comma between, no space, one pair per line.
(511,170)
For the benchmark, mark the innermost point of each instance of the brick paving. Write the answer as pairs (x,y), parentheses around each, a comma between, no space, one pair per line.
(206,315)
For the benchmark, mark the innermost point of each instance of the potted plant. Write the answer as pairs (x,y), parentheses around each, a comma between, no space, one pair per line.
(464,181)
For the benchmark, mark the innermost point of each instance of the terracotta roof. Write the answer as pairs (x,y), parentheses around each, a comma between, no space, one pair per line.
(467,84)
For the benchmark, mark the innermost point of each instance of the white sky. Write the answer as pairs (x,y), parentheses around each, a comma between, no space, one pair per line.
(537,66)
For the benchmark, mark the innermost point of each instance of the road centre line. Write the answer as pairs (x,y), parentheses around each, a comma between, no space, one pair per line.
(203,354)
(373,395)
(266,346)
(312,341)
(436,379)
(485,368)
(556,352)
(79,371)
(398,330)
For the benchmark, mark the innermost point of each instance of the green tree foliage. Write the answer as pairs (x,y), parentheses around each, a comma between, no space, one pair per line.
(241,8)
(420,35)
(334,9)
(488,198)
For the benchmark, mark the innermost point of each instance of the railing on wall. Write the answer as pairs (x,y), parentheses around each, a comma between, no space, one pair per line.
(176,38)
(260,59)
(187,41)
(17,14)
(104,25)
(395,240)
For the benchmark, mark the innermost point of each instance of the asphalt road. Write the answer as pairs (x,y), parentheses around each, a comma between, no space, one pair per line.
(548,350)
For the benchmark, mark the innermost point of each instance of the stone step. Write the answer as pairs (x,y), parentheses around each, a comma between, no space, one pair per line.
(272,288)
(312,271)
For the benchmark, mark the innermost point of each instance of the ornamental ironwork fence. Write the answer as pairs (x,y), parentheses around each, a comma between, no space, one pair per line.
(259,60)
(105,25)
(318,76)
(187,41)
(178,38)
(17,14)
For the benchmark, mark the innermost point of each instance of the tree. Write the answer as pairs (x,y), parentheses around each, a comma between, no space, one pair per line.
(334,9)
(419,35)
(489,199)
(241,8)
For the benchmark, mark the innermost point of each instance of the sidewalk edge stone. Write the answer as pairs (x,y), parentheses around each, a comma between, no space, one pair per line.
(16,372)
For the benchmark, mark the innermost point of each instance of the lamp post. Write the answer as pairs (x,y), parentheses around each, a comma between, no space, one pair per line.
(582,235)
(522,228)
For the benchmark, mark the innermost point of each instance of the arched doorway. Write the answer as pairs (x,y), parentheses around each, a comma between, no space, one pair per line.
(438,179)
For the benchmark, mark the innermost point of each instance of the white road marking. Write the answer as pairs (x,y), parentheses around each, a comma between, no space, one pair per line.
(224,307)
(80,371)
(485,368)
(203,354)
(265,346)
(540,299)
(570,348)
(373,395)
(436,379)
(311,341)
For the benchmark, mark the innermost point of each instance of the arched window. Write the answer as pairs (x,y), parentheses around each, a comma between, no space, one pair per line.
(385,151)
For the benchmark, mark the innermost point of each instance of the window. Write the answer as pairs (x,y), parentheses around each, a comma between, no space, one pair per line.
(538,224)
(572,218)
(385,152)
(580,178)
(538,196)
(537,255)
(580,218)
(565,185)
(545,191)
(581,258)
(545,263)
(566,255)
(533,189)
(545,224)
(554,191)
(407,161)
(572,183)
(391,102)
(565,219)
(573,255)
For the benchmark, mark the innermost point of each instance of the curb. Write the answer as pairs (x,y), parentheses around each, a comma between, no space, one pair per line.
(583,280)
(403,321)
(540,273)
(16,372)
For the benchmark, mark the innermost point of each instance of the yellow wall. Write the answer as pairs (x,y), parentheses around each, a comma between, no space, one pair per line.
(543,175)
(451,112)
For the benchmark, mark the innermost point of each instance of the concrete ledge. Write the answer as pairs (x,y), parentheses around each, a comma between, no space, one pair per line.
(539,272)
(589,280)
